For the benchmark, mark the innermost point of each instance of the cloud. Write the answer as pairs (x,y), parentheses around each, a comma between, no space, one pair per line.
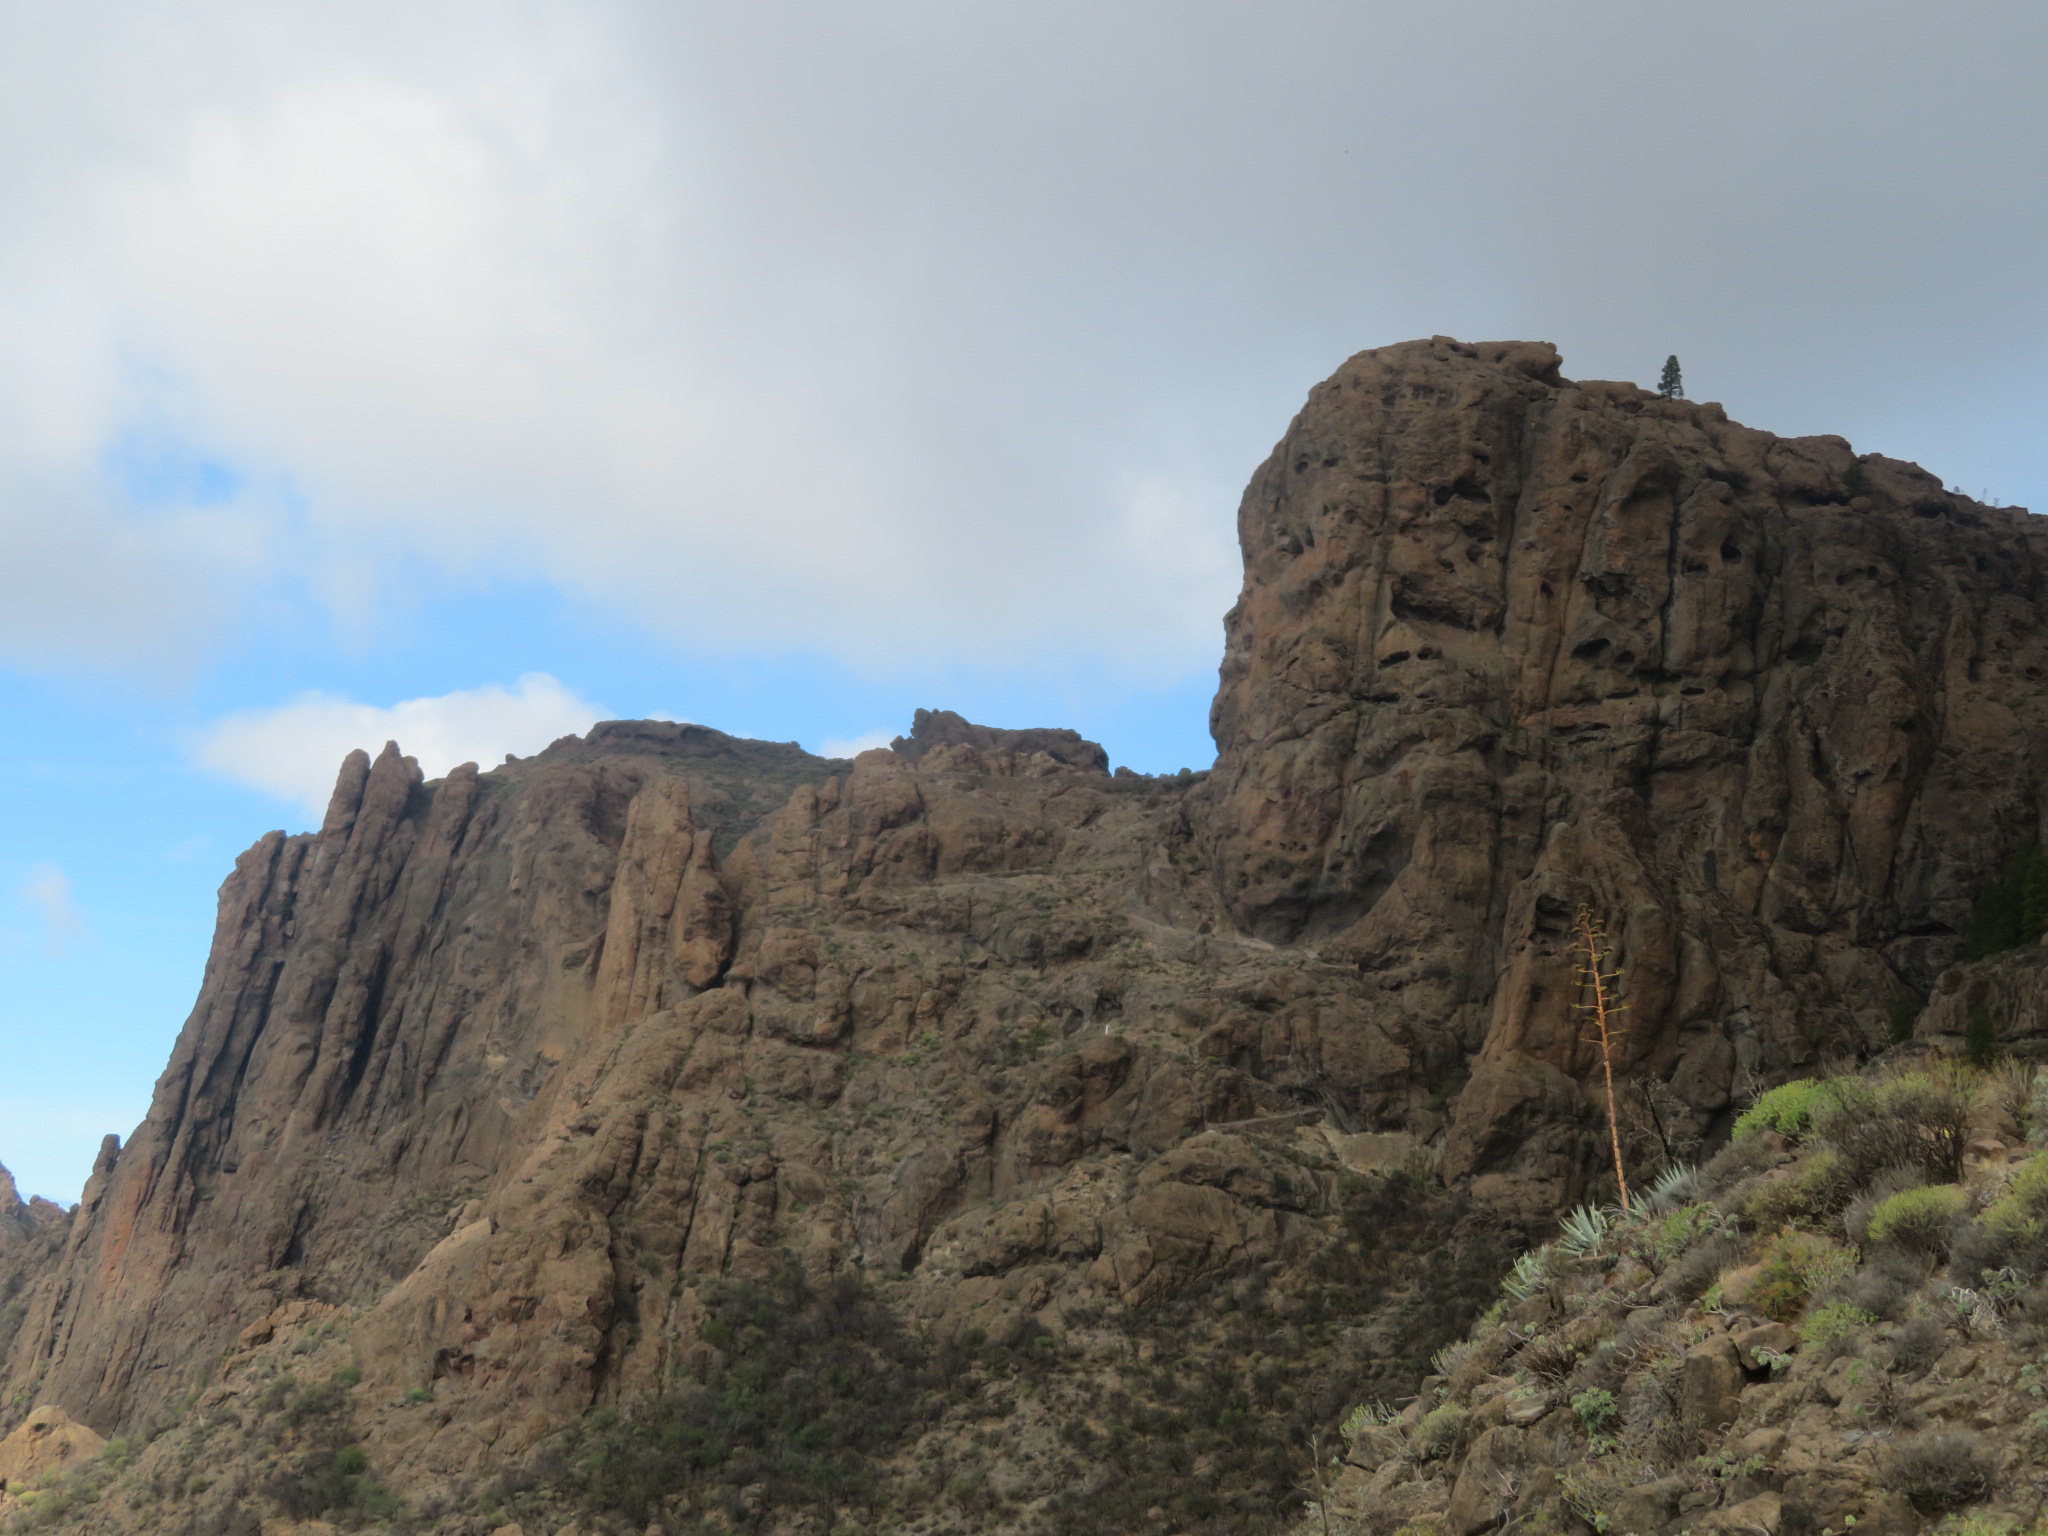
(48,891)
(853,746)
(889,330)
(293,751)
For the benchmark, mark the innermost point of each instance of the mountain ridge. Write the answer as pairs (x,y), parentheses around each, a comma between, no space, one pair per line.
(494,1082)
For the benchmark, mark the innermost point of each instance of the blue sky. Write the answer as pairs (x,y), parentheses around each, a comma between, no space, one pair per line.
(469,370)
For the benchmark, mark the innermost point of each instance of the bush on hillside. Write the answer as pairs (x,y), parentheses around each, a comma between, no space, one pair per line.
(1815,1188)
(1787,1109)
(1893,1181)
(1940,1469)
(2013,1231)
(1439,1430)
(1917,1346)
(1688,1278)
(1794,1266)
(1913,1120)
(1832,1323)
(1883,1285)
(1919,1220)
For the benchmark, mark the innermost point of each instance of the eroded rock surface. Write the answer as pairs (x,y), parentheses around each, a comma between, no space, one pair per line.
(1509,644)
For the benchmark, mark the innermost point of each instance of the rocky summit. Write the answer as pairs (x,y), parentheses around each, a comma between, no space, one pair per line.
(671,1132)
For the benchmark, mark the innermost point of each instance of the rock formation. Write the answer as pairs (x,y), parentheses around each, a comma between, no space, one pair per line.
(1508,645)
(492,1079)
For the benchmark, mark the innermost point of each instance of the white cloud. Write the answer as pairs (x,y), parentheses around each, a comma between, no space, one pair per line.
(48,890)
(853,746)
(294,750)
(898,328)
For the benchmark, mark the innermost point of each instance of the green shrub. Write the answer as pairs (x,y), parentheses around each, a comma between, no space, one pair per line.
(1787,1109)
(1796,1264)
(2013,1231)
(1816,1188)
(1833,1321)
(1661,1239)
(1922,1220)
(1596,1408)
(1439,1430)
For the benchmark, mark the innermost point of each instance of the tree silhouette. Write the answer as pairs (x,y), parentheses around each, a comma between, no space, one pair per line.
(1672,385)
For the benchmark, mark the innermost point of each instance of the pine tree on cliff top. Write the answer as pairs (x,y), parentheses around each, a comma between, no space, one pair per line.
(1672,385)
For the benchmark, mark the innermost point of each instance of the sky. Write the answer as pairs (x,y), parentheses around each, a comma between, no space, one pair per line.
(468,373)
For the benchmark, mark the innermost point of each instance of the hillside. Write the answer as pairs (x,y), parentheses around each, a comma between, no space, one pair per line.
(1836,1323)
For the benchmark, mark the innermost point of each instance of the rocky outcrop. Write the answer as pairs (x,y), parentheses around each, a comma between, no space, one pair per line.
(47,1443)
(494,1081)
(31,1238)
(1510,644)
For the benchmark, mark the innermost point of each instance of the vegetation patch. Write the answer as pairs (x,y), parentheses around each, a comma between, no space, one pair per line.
(1920,1220)
(1794,1265)
(809,1392)
(1787,1109)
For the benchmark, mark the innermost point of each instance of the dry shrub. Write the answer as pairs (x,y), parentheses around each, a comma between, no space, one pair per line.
(1636,1344)
(1735,1162)
(1548,1358)
(1883,1284)
(1940,1469)
(1688,1279)
(2007,1090)
(1917,1346)
(1914,1120)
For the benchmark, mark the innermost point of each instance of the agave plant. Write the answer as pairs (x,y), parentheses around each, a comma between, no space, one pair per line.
(1674,1187)
(1445,1362)
(1530,1274)
(1581,1232)
(1365,1416)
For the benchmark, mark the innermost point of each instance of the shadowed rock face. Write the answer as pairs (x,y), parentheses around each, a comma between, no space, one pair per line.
(494,1070)
(1508,645)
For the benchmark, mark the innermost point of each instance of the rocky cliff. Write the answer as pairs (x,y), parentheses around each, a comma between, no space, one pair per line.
(1110,1117)
(1509,644)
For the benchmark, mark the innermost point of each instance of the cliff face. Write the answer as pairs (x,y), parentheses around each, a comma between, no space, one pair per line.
(1508,645)
(490,1075)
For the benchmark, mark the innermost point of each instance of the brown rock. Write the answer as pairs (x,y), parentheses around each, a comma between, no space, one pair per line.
(1710,1389)
(1508,644)
(1759,1516)
(48,1442)
(1647,1508)
(1487,1481)
(1753,1344)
